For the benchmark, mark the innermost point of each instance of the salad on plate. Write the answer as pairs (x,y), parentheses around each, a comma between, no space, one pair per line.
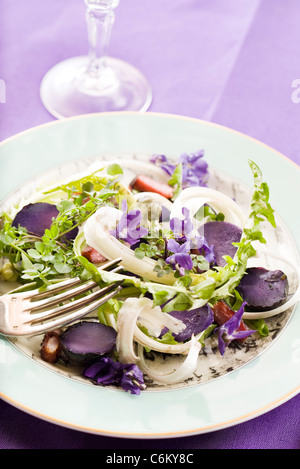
(195,284)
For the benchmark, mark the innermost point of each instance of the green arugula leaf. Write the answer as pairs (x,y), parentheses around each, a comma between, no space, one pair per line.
(176,180)
(114,169)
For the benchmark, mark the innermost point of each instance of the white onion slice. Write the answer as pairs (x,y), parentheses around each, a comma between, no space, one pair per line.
(193,198)
(128,332)
(130,163)
(180,348)
(132,168)
(140,311)
(184,371)
(97,235)
(145,196)
(126,325)
(153,319)
(156,199)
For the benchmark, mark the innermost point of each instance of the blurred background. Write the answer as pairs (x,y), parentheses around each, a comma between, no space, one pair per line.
(232,62)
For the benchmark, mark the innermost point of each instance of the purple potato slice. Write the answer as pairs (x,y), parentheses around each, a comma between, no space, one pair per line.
(263,289)
(38,217)
(195,320)
(221,235)
(86,341)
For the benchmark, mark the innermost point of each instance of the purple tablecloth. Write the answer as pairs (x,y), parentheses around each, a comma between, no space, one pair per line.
(232,62)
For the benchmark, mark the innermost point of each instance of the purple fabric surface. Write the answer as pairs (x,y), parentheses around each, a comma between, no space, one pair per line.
(226,61)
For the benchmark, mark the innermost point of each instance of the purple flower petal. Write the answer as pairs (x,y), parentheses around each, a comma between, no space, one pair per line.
(102,372)
(194,167)
(95,368)
(132,379)
(181,256)
(106,371)
(128,229)
(182,228)
(163,163)
(221,343)
(111,377)
(229,330)
(184,260)
(201,246)
(171,260)
(172,245)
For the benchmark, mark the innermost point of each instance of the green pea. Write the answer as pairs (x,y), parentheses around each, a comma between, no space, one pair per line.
(8,272)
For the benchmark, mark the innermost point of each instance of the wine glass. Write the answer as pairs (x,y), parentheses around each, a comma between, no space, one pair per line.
(96,82)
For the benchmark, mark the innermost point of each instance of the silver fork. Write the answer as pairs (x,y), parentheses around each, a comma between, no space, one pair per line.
(29,313)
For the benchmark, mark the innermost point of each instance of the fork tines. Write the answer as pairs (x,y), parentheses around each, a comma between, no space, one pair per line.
(71,283)
(83,299)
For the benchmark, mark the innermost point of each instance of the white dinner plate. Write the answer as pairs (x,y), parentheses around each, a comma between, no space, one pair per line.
(236,390)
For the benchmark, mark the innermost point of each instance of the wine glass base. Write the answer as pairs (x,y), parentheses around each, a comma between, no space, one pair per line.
(64,94)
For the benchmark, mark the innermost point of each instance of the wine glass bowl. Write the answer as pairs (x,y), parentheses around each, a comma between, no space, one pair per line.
(95,82)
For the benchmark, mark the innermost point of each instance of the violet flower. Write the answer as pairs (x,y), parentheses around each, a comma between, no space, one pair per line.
(132,379)
(163,163)
(182,228)
(229,330)
(107,372)
(201,247)
(180,259)
(194,168)
(128,229)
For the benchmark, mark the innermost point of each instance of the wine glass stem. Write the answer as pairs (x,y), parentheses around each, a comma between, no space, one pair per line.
(99,23)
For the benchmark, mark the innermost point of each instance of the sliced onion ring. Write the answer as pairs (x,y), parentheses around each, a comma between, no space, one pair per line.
(129,332)
(193,198)
(155,197)
(153,319)
(126,324)
(183,372)
(132,168)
